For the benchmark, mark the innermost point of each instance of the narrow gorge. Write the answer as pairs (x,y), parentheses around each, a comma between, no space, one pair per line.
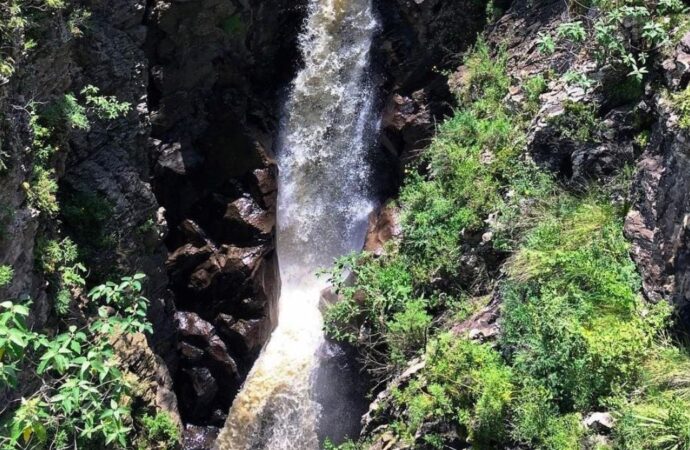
(344,224)
(324,201)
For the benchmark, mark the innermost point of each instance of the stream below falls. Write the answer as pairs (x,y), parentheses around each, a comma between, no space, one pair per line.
(324,201)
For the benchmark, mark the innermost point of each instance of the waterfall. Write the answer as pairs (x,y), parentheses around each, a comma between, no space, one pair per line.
(323,205)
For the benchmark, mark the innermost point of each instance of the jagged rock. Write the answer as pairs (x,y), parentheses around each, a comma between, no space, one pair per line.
(659,218)
(156,384)
(377,410)
(190,325)
(599,422)
(245,222)
(185,259)
(246,335)
(198,391)
(677,68)
(384,225)
(194,234)
(189,353)
(407,124)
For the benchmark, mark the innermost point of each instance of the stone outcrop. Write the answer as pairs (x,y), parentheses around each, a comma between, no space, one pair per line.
(106,204)
(216,71)
(418,40)
(659,218)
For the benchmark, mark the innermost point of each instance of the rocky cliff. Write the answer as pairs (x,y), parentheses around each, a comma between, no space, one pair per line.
(182,187)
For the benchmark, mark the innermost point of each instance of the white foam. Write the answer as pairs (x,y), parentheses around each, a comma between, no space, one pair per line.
(323,206)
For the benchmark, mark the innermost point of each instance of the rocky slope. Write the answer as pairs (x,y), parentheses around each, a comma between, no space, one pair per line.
(625,125)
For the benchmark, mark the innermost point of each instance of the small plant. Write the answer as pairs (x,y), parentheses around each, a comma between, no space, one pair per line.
(546,44)
(578,122)
(572,31)
(575,78)
(41,192)
(84,399)
(534,87)
(681,102)
(105,107)
(158,432)
(6,274)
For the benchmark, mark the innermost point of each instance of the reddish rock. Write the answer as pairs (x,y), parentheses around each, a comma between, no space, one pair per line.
(247,335)
(246,219)
(384,225)
(184,260)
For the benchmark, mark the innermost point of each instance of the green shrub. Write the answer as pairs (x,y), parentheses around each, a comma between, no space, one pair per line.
(539,424)
(573,318)
(84,398)
(158,432)
(578,122)
(42,192)
(53,254)
(85,216)
(462,382)
(6,274)
(105,107)
(681,102)
(407,331)
(657,415)
(534,87)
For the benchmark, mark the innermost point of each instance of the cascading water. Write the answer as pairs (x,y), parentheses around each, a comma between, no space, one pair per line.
(323,205)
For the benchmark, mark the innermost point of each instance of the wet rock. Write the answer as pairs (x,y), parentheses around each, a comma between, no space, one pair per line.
(197,391)
(407,124)
(246,335)
(189,353)
(184,260)
(245,222)
(192,327)
(199,437)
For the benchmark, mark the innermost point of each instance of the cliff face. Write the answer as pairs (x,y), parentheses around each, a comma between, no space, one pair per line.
(88,184)
(183,186)
(215,105)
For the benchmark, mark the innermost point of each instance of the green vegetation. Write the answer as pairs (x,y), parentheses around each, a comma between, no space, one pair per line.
(159,432)
(6,274)
(463,382)
(681,102)
(105,107)
(576,335)
(621,34)
(234,26)
(82,397)
(578,122)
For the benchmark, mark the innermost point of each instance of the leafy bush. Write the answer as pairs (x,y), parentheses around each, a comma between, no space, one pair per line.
(573,318)
(656,416)
(578,122)
(681,101)
(105,107)
(158,432)
(84,397)
(42,191)
(538,422)
(464,382)
(576,334)
(407,331)
(6,274)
